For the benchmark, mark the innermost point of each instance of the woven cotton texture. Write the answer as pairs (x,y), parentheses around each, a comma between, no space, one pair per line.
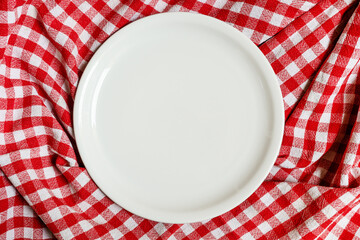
(311,192)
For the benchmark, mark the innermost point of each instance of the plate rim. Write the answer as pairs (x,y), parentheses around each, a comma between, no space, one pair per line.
(276,97)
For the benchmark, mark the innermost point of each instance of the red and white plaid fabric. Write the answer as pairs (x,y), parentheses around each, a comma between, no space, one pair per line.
(312,190)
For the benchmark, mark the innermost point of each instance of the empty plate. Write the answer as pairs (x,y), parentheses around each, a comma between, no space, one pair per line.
(178,117)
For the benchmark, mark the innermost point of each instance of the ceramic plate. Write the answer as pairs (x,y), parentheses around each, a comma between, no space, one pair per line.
(178,117)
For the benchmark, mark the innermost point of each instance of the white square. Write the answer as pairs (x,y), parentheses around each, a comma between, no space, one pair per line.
(43,42)
(99,219)
(311,224)
(113,4)
(294,235)
(61,102)
(329,211)
(290,178)
(160,6)
(19,91)
(250,212)
(98,195)
(97,19)
(219,4)
(19,135)
(321,137)
(94,46)
(17,52)
(267,199)
(309,55)
(57,134)
(114,208)
(84,36)
(236,7)
(55,214)
(24,32)
(130,224)
(276,19)
(313,24)
(314,193)
(296,37)
(10,234)
(264,38)
(256,12)
(5,159)
(288,164)
(217,233)
(290,99)
(44,151)
(84,206)
(292,69)
(11,18)
(43,194)
(70,22)
(331,11)
(279,51)
(343,222)
(187,229)
(116,234)
(305,115)
(233,224)
(284,188)
(84,7)
(2,113)
(299,132)
(10,192)
(296,152)
(159,228)
(36,110)
(306,6)
(56,11)
(325,41)
(331,236)
(352,62)
(2,91)
(319,172)
(248,32)
(52,73)
(344,180)
(49,172)
(66,234)
(299,204)
(39,130)
(109,28)
(282,216)
(317,155)
(346,198)
(145,237)
(350,158)
(248,236)
(14,73)
(85,225)
(24,153)
(122,11)
(35,60)
(325,117)
(264,227)
(315,96)
(82,179)
(28,212)
(32,174)
(61,38)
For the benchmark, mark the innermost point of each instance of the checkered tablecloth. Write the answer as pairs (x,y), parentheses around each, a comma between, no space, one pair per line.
(311,192)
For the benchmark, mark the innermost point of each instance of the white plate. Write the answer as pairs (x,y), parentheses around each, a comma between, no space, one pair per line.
(178,117)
